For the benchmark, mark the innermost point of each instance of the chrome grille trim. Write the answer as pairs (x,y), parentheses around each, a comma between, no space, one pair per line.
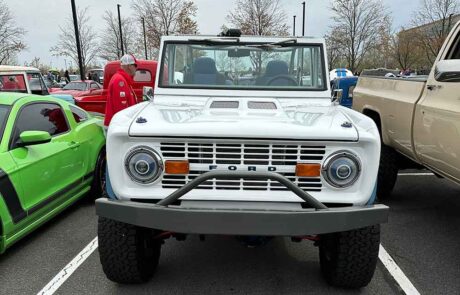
(273,154)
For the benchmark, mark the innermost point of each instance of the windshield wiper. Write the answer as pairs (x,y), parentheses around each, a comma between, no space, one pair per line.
(216,40)
(268,46)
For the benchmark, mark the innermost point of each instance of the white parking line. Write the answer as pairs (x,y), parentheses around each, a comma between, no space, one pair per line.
(67,271)
(397,273)
(416,174)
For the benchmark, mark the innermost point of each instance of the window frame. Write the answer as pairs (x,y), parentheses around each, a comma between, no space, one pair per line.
(143,81)
(12,145)
(73,109)
(283,89)
(3,124)
(455,48)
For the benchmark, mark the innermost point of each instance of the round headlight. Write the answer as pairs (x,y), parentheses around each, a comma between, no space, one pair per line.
(341,169)
(143,165)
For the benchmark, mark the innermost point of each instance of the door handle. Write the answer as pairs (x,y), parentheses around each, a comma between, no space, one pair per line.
(74,144)
(433,87)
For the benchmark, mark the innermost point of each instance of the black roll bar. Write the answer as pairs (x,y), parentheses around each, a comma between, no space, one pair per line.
(309,200)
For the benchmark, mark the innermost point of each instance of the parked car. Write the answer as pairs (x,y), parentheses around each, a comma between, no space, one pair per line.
(62,82)
(340,73)
(270,158)
(74,77)
(99,74)
(347,85)
(145,76)
(51,154)
(26,80)
(80,89)
(418,117)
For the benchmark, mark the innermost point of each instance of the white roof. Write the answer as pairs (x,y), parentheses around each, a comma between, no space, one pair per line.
(17,69)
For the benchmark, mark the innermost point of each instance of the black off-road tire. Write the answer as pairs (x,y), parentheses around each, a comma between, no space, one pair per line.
(388,172)
(98,184)
(129,254)
(348,259)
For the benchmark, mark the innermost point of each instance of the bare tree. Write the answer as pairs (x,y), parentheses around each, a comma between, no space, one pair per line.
(165,17)
(360,23)
(382,53)
(11,36)
(433,22)
(67,45)
(110,39)
(36,63)
(404,45)
(259,17)
(335,52)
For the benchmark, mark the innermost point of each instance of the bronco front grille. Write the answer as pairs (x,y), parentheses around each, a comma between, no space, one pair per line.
(277,155)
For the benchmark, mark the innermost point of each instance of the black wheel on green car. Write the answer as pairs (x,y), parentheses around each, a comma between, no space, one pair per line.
(99,177)
(388,172)
(348,259)
(129,254)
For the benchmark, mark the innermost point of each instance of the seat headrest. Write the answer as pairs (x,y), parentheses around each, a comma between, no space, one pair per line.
(204,65)
(276,67)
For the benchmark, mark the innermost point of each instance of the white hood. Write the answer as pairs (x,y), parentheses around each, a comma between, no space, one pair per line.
(304,119)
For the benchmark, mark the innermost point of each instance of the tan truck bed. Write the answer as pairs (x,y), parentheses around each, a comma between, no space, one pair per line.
(394,99)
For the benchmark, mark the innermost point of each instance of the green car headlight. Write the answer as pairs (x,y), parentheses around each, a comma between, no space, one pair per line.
(341,169)
(143,165)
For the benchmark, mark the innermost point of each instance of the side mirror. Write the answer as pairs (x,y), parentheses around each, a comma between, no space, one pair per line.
(33,137)
(337,95)
(147,93)
(447,71)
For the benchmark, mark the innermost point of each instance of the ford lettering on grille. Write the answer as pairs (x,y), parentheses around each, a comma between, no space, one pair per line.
(271,156)
(243,168)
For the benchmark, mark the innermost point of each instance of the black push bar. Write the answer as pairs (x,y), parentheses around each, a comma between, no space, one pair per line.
(309,200)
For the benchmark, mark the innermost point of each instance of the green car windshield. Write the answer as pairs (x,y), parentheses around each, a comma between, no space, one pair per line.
(3,116)
(257,66)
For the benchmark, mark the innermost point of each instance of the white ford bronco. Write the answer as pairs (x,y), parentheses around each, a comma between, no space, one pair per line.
(246,143)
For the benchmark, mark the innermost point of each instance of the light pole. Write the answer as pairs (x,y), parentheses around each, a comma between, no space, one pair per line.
(293,26)
(121,32)
(77,39)
(145,38)
(303,20)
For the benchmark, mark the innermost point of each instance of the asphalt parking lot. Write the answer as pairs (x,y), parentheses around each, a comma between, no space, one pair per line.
(422,236)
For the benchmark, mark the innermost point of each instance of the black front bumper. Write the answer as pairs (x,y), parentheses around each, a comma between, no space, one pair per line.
(241,218)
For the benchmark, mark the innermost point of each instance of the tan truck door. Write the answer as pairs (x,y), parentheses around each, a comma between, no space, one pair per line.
(437,116)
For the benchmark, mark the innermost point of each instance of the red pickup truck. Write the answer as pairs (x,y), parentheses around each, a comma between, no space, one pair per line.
(145,76)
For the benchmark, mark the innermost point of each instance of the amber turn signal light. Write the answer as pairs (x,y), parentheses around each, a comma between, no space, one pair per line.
(308,170)
(177,167)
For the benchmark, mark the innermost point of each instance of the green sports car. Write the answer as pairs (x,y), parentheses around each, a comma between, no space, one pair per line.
(51,154)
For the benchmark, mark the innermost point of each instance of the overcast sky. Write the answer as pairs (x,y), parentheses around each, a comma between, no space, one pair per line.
(41,19)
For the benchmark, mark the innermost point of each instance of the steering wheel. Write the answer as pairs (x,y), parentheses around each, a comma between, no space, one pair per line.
(291,81)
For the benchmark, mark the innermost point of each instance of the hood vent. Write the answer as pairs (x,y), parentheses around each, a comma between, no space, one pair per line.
(221,104)
(261,105)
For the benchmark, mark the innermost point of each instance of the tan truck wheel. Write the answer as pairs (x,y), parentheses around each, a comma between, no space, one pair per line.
(388,172)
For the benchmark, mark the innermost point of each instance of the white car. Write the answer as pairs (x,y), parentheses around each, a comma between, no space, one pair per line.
(340,73)
(216,156)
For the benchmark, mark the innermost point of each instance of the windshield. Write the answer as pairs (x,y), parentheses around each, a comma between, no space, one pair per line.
(13,83)
(80,86)
(280,66)
(3,116)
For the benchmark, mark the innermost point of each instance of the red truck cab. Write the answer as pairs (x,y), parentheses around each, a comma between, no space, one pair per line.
(145,76)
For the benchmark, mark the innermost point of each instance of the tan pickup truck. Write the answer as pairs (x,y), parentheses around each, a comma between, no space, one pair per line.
(418,119)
